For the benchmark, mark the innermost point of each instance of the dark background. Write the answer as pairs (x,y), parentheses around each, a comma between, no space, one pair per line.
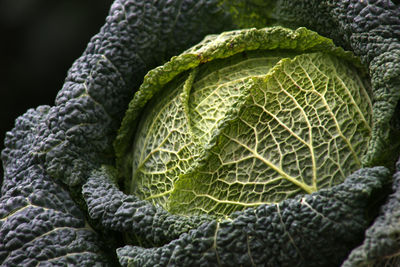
(39,40)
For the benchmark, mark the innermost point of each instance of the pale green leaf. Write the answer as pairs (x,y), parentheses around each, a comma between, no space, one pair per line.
(241,120)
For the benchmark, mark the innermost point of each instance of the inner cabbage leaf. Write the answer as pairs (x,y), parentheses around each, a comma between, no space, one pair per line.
(257,127)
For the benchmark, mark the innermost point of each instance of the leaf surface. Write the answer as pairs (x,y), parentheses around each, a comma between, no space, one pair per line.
(248,127)
(293,135)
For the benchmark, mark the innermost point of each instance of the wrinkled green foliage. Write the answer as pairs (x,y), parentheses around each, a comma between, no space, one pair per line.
(58,206)
(260,126)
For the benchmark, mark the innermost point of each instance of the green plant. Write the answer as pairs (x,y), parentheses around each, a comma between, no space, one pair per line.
(245,118)
(61,201)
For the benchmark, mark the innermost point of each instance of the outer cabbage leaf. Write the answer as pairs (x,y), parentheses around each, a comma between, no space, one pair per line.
(39,221)
(381,246)
(314,230)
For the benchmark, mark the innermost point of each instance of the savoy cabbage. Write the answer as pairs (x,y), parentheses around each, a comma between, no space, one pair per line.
(79,191)
(244,118)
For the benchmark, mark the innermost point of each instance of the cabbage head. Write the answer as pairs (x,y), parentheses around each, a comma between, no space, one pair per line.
(245,118)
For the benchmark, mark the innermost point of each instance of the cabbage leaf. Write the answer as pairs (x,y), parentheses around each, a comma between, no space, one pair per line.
(258,125)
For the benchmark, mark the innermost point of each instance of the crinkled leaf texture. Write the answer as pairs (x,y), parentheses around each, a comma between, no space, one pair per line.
(284,113)
(290,233)
(52,150)
(381,246)
(39,222)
